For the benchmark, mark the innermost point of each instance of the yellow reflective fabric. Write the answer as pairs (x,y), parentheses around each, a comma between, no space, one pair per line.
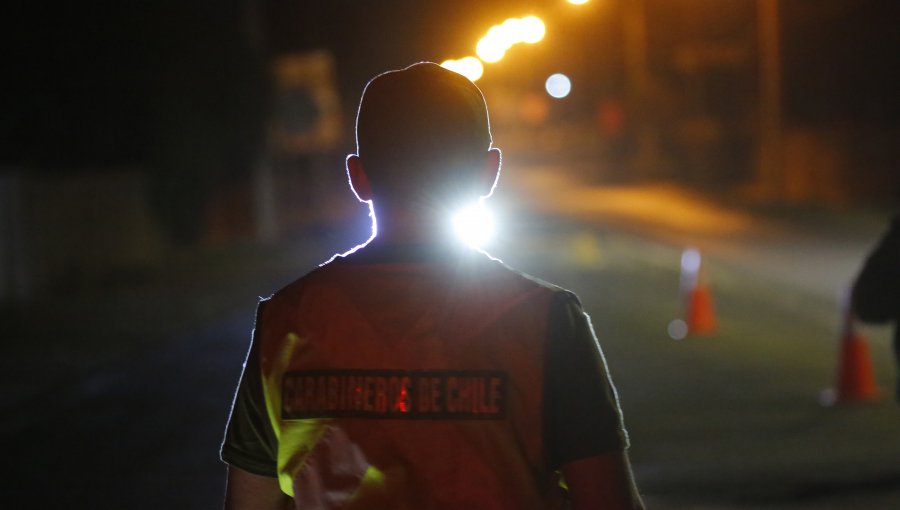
(295,439)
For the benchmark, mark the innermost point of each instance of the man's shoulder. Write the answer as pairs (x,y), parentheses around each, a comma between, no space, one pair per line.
(502,281)
(473,268)
(296,288)
(529,279)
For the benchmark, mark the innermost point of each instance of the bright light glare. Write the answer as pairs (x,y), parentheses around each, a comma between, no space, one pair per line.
(532,29)
(474,225)
(558,85)
(490,48)
(502,35)
(470,67)
(511,30)
(690,261)
(578,2)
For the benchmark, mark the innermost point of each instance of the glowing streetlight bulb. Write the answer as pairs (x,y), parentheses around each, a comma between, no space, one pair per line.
(532,29)
(490,48)
(511,30)
(470,67)
(558,85)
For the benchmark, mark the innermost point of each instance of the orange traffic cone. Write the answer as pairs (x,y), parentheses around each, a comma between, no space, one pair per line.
(699,316)
(701,320)
(856,379)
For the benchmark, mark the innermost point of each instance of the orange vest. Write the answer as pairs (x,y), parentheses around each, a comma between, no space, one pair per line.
(409,385)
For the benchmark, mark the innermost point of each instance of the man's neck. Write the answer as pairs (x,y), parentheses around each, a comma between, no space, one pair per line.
(406,226)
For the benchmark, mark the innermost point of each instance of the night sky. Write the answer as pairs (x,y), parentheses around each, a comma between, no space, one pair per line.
(842,60)
(100,84)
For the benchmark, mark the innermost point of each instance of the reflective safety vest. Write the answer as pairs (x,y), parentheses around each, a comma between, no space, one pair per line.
(409,385)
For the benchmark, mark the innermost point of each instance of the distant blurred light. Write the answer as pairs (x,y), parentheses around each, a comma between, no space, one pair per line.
(690,261)
(677,329)
(585,250)
(828,397)
(534,108)
(474,225)
(532,28)
(491,48)
(512,30)
(690,270)
(611,117)
(558,85)
(578,2)
(503,36)
(470,67)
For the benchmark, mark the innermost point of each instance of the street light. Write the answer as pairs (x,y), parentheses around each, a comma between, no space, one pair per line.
(493,46)
(532,29)
(490,49)
(558,85)
(470,67)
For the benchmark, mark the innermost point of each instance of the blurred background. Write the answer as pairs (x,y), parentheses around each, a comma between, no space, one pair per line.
(164,163)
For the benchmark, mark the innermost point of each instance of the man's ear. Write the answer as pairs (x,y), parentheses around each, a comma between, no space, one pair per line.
(490,172)
(359,181)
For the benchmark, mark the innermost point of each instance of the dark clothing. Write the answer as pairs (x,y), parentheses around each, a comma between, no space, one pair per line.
(876,292)
(436,377)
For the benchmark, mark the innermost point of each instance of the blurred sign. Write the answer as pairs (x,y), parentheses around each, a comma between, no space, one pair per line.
(307,104)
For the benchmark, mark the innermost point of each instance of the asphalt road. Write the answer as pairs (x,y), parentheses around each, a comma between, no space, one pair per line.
(727,421)
(138,433)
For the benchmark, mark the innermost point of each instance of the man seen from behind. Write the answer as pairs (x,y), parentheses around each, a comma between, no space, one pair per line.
(415,372)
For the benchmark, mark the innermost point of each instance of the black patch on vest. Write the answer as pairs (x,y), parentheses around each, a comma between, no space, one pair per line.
(394,394)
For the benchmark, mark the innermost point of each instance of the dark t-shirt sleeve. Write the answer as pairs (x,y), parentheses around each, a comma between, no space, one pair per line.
(250,442)
(876,292)
(582,417)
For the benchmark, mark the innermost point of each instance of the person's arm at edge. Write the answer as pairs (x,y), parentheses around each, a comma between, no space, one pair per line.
(247,491)
(874,294)
(583,422)
(250,446)
(602,482)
